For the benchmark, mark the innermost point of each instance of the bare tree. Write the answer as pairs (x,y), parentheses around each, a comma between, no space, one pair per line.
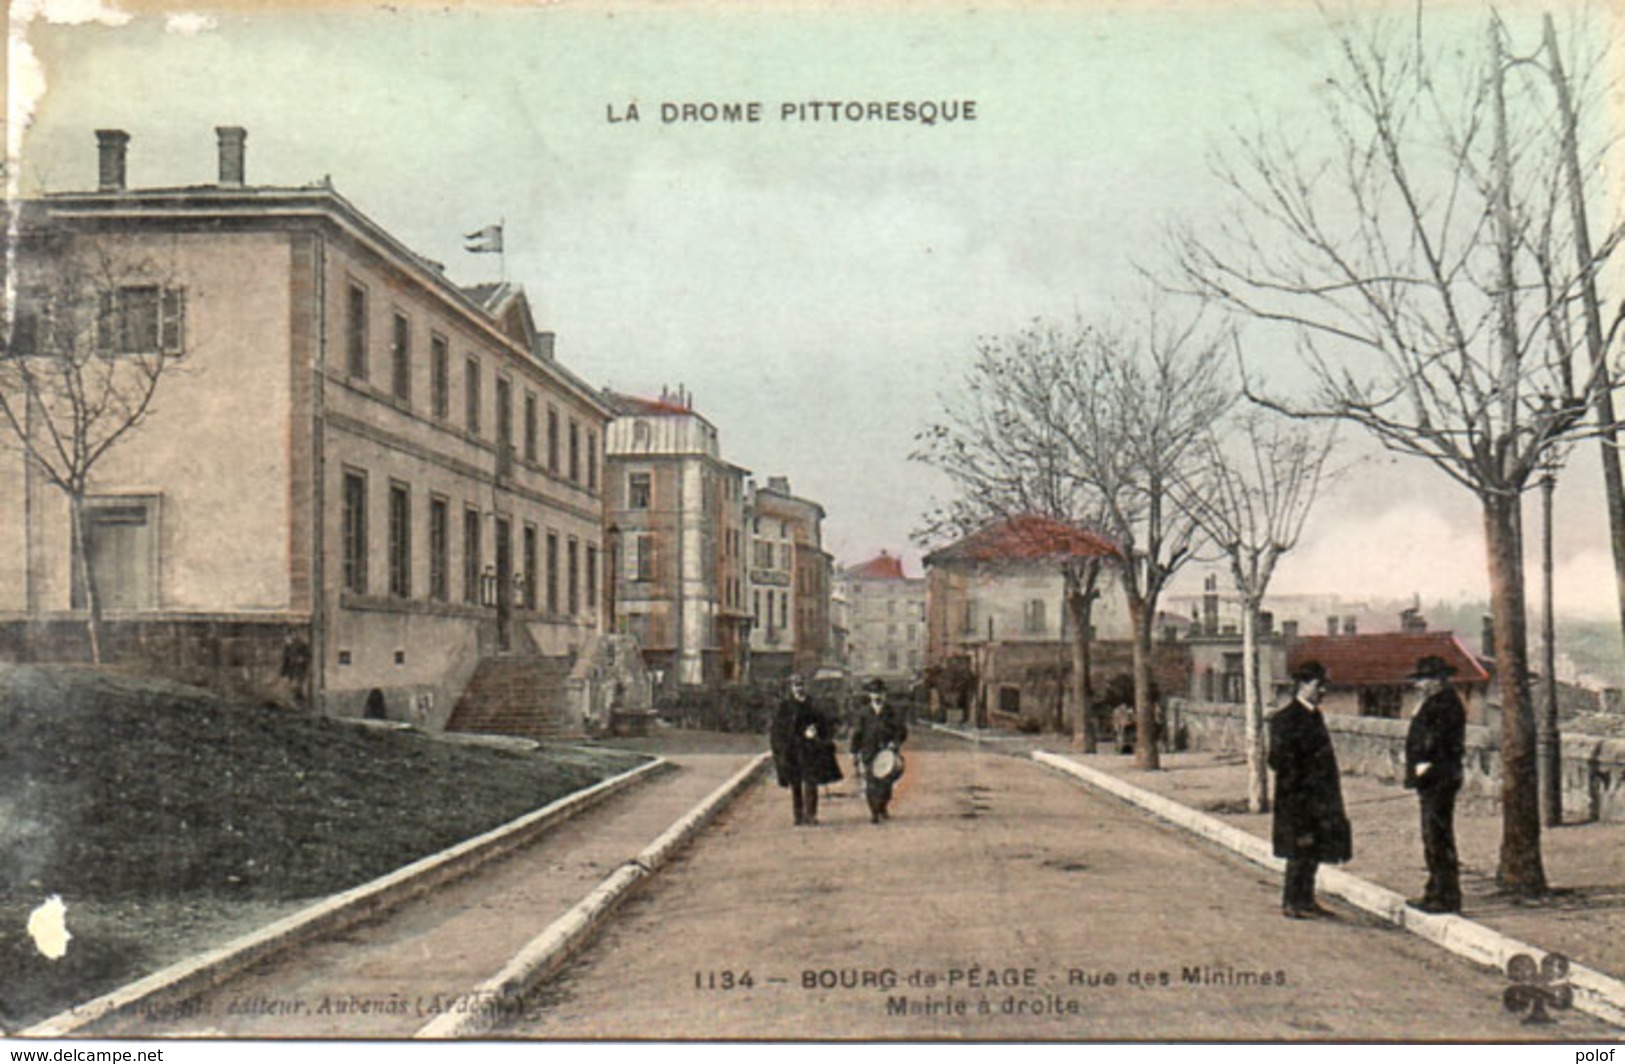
(1417,260)
(1137,403)
(1001,446)
(1251,497)
(91,336)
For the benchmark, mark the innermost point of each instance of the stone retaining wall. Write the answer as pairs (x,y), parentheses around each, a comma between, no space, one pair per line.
(1593,768)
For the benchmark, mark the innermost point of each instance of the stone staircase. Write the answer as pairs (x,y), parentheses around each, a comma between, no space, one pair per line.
(517,694)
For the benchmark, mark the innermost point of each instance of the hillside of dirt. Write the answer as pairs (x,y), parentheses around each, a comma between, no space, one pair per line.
(168,821)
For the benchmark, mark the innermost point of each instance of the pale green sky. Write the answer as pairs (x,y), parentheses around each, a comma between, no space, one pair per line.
(816,286)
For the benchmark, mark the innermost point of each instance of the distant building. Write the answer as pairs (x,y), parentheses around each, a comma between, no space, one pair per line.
(998,632)
(789,582)
(339,498)
(1368,675)
(676,513)
(887,622)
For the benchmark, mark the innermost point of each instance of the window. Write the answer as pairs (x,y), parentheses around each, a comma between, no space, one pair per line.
(552,572)
(440,377)
(552,440)
(592,461)
(356,333)
(764,554)
(528,593)
(572,575)
(969,620)
(1033,619)
(644,557)
(400,540)
(530,427)
(638,491)
(504,418)
(471,396)
(355,532)
(439,534)
(471,556)
(756,607)
(592,576)
(142,320)
(784,610)
(575,452)
(121,543)
(400,358)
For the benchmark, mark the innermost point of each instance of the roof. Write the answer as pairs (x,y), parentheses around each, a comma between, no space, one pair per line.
(1379,659)
(881,567)
(632,405)
(1025,538)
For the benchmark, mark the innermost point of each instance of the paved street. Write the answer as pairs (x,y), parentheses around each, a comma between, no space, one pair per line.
(1003,902)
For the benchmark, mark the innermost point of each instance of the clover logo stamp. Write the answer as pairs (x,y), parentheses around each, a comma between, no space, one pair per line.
(1538,987)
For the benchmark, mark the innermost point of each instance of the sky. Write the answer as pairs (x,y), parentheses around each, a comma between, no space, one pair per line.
(818,286)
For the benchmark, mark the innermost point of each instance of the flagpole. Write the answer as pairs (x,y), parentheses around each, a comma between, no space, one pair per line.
(502,246)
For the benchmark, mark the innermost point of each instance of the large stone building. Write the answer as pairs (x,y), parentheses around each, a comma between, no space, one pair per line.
(789,583)
(886,619)
(357,480)
(677,524)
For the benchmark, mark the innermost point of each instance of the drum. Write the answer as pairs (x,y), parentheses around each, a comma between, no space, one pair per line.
(887,765)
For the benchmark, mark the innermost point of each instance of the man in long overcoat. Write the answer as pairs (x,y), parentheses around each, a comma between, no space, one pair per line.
(877,727)
(1311,827)
(803,742)
(1434,749)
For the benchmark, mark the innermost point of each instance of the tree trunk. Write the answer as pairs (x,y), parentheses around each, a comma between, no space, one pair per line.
(1520,872)
(1080,607)
(1253,715)
(87,577)
(1146,754)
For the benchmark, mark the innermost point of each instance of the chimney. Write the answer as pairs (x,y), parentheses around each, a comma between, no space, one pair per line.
(1210,605)
(110,145)
(231,155)
(781,485)
(1266,622)
(1289,630)
(1348,625)
(1331,626)
(1486,637)
(544,346)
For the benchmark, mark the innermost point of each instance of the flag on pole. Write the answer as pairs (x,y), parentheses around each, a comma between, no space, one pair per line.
(487,241)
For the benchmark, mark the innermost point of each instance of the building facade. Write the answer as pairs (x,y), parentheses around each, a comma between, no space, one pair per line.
(678,528)
(886,619)
(356,479)
(789,583)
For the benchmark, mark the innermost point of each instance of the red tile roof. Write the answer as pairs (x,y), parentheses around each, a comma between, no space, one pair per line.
(1028,537)
(1378,659)
(882,567)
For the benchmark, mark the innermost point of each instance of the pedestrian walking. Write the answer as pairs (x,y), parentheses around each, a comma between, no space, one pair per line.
(803,741)
(1434,748)
(1310,827)
(877,738)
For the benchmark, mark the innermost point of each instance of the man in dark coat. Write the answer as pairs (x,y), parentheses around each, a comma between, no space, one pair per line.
(1310,825)
(877,728)
(802,738)
(1434,748)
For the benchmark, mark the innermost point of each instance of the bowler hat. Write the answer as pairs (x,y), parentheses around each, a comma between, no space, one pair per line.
(1308,672)
(1432,667)
(875,686)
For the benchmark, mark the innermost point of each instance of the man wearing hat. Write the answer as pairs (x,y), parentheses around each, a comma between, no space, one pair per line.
(878,728)
(1434,748)
(802,738)
(1310,826)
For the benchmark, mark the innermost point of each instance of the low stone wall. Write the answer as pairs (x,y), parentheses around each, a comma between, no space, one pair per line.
(1593,769)
(261,660)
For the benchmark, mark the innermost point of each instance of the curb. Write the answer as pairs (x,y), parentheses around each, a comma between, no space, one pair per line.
(485,1006)
(1599,995)
(204,971)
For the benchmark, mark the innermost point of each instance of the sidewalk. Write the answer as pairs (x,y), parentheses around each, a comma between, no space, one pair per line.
(1583,918)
